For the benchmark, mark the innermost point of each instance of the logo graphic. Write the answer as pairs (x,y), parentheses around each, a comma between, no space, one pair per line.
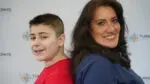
(136,37)
(133,37)
(26,35)
(26,77)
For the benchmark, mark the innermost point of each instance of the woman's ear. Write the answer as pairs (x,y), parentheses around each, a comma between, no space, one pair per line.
(61,40)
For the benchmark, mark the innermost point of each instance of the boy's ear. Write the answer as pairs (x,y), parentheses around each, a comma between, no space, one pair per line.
(61,40)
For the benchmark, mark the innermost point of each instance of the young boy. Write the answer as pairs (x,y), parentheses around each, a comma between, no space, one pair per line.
(47,44)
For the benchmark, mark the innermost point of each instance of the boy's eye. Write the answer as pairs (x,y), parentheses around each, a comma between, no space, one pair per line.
(44,37)
(32,38)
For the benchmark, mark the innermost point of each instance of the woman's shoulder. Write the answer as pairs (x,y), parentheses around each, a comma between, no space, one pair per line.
(96,68)
(96,57)
(96,60)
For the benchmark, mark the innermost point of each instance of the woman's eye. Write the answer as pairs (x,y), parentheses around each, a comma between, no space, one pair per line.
(101,23)
(115,20)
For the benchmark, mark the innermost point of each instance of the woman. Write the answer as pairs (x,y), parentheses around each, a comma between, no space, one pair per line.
(99,54)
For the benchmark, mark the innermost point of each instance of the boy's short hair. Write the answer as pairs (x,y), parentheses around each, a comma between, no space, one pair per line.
(49,20)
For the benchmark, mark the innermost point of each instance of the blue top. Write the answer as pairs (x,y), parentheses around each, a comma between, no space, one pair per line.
(95,69)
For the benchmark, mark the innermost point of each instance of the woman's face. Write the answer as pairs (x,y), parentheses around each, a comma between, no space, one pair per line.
(105,27)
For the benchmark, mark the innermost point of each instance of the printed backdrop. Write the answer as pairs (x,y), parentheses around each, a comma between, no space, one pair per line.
(17,64)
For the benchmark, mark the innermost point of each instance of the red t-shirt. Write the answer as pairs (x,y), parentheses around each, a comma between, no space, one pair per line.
(58,73)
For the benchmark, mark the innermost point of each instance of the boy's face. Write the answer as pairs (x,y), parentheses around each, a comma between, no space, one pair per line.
(44,42)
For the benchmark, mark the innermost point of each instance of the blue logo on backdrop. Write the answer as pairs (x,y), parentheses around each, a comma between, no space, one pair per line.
(133,37)
(136,37)
(26,35)
(26,77)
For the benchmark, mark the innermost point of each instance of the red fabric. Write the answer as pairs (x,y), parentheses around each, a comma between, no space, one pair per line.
(58,73)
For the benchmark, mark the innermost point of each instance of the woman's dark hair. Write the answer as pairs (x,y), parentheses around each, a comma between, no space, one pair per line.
(83,43)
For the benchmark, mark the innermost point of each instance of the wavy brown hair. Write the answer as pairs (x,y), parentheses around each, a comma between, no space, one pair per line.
(84,44)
